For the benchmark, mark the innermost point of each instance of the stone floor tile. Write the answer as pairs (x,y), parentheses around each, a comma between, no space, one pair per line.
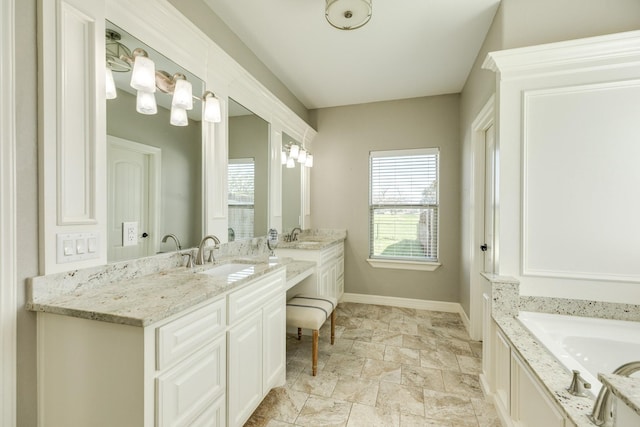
(449,407)
(374,324)
(418,342)
(439,359)
(320,411)
(405,326)
(348,322)
(368,350)
(405,356)
(282,404)
(320,385)
(345,364)
(422,377)
(485,413)
(469,365)
(463,384)
(369,416)
(408,420)
(401,398)
(382,371)
(476,348)
(357,334)
(454,345)
(356,390)
(386,337)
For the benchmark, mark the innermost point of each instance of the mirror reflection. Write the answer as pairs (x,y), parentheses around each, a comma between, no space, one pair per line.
(291,191)
(154,169)
(248,173)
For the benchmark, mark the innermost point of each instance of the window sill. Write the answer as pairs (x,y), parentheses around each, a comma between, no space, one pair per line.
(403,265)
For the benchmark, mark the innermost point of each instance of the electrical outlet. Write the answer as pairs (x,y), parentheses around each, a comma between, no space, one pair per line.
(129,233)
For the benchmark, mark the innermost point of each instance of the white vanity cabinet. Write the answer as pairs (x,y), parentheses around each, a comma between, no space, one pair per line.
(329,276)
(256,338)
(106,374)
(624,416)
(518,395)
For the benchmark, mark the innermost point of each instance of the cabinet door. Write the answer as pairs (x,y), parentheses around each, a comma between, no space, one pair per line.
(212,416)
(530,406)
(192,385)
(324,281)
(502,370)
(245,369)
(274,350)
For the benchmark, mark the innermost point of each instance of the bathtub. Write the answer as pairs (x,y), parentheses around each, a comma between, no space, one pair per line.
(587,344)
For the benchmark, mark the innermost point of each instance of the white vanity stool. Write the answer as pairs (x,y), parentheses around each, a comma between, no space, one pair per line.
(310,312)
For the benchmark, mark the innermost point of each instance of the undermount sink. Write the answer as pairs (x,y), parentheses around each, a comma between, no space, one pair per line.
(234,270)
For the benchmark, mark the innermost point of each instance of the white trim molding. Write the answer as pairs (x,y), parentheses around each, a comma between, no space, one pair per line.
(8,278)
(403,265)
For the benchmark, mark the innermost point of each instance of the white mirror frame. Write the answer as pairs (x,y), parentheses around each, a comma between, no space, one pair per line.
(72,114)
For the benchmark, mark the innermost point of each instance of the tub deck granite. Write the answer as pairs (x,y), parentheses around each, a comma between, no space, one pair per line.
(144,300)
(506,304)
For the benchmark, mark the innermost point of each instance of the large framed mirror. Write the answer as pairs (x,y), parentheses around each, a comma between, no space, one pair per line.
(154,169)
(247,173)
(291,190)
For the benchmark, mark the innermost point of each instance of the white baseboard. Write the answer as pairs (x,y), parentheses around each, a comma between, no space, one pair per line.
(449,307)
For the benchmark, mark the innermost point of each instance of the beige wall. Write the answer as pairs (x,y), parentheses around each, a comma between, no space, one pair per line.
(521,23)
(340,186)
(209,23)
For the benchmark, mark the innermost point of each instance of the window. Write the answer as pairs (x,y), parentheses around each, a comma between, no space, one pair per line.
(403,206)
(241,175)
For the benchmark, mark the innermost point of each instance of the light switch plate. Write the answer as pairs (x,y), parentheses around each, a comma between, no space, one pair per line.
(71,247)
(129,233)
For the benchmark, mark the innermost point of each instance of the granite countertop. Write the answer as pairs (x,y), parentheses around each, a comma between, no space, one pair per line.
(144,300)
(625,388)
(314,240)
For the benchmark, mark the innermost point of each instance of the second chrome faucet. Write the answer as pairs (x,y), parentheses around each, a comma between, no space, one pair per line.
(200,254)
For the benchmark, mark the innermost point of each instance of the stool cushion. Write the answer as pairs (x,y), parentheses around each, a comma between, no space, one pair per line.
(309,311)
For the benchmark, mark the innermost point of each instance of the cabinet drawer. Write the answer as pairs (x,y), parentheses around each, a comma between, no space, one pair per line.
(328,254)
(186,334)
(250,298)
(194,384)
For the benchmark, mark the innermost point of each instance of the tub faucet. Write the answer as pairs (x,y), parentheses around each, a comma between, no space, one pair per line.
(578,385)
(601,414)
(200,255)
(175,240)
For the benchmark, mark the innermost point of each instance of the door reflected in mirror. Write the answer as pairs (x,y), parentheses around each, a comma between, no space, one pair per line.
(154,169)
(248,173)
(291,191)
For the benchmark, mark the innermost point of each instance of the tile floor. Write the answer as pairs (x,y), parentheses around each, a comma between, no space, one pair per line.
(390,366)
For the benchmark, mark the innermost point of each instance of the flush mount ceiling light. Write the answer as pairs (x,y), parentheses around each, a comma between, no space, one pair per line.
(348,14)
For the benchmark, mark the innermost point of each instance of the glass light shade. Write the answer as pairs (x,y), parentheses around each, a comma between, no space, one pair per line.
(309,162)
(178,117)
(291,163)
(283,157)
(146,103)
(294,150)
(110,85)
(302,156)
(212,109)
(183,95)
(143,76)
(348,14)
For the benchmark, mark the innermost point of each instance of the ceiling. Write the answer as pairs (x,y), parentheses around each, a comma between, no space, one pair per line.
(409,48)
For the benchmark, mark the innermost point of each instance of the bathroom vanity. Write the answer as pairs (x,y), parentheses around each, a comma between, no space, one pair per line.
(176,347)
(327,251)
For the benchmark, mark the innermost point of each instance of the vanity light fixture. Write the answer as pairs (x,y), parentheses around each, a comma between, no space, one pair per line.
(348,14)
(292,152)
(211,107)
(146,79)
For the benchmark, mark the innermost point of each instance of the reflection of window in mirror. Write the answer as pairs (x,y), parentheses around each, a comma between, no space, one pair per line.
(291,190)
(241,179)
(249,139)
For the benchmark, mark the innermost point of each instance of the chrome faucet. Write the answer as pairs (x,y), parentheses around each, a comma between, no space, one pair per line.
(294,234)
(200,255)
(175,240)
(601,414)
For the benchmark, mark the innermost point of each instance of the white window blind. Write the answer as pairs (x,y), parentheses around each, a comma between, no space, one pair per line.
(403,205)
(241,176)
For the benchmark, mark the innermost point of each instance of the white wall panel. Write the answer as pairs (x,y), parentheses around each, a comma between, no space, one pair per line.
(580,175)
